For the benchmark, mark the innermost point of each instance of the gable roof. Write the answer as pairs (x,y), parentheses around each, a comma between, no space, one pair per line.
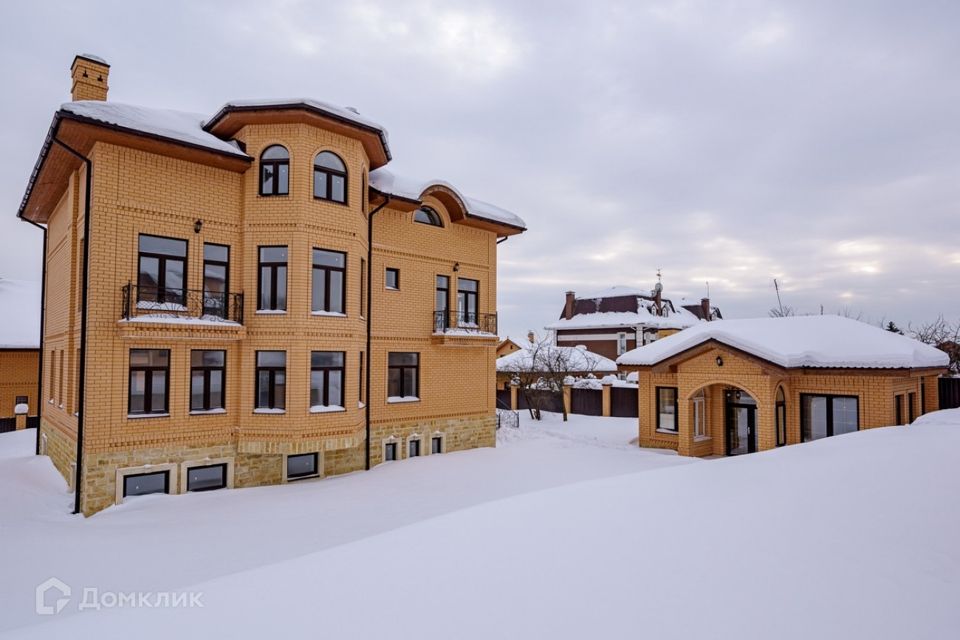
(20,324)
(626,307)
(801,341)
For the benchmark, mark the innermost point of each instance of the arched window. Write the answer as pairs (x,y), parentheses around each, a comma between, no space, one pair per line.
(274,171)
(781,417)
(426,215)
(329,177)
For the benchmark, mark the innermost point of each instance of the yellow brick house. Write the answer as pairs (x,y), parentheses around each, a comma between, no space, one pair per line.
(732,387)
(251,297)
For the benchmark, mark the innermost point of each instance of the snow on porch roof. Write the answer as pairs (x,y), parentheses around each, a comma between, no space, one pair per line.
(20,326)
(802,341)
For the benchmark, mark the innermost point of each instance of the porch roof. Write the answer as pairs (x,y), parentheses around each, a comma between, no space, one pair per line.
(795,342)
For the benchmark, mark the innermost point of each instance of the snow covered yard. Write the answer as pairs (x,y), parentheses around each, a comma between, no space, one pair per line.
(562,531)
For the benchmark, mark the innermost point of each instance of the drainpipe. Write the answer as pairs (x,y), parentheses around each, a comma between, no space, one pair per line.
(43,300)
(83,318)
(366,406)
(503,239)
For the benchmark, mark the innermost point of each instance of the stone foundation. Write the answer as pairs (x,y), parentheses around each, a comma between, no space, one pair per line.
(61,449)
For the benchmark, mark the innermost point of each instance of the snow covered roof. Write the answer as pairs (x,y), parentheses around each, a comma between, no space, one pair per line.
(179,126)
(678,319)
(576,359)
(387,182)
(616,291)
(344,113)
(20,324)
(802,341)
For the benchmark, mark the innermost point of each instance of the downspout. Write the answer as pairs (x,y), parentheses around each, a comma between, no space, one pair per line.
(503,239)
(43,306)
(369,324)
(83,319)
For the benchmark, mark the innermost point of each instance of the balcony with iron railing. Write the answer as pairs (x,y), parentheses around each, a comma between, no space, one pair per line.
(143,303)
(464,323)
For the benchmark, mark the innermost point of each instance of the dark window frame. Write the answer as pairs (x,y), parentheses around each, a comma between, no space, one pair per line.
(221,465)
(325,387)
(414,442)
(433,218)
(274,165)
(443,320)
(911,406)
(326,271)
(923,397)
(272,384)
(363,287)
(207,370)
(360,379)
(148,385)
(386,278)
(161,290)
(22,400)
(224,311)
(470,299)
(898,409)
(780,418)
(402,369)
(166,481)
(273,266)
(676,409)
(302,476)
(327,174)
(829,404)
(434,449)
(390,446)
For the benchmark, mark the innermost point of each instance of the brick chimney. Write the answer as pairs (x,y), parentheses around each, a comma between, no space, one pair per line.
(89,74)
(569,305)
(705,309)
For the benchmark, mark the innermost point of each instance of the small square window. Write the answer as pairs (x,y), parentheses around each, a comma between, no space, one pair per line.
(413,449)
(207,478)
(390,452)
(392,278)
(21,400)
(301,466)
(436,444)
(144,483)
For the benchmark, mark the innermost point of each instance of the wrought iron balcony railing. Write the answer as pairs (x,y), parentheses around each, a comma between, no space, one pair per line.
(140,301)
(464,322)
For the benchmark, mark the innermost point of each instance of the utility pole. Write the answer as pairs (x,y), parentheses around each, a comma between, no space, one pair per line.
(779,303)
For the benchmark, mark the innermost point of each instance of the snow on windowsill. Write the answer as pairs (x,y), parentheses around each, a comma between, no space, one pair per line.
(330,314)
(360,405)
(322,408)
(207,320)
(465,333)
(397,399)
(392,288)
(671,432)
(270,411)
(702,438)
(207,412)
(138,416)
(270,312)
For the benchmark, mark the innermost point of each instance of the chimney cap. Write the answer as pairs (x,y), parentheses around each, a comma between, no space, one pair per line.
(89,57)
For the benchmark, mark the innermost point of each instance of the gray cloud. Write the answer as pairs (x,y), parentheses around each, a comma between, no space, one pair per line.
(734,142)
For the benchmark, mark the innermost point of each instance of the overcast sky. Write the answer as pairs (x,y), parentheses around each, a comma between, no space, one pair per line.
(729,142)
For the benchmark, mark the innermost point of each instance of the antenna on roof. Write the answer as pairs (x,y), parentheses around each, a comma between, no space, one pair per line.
(708,288)
(779,303)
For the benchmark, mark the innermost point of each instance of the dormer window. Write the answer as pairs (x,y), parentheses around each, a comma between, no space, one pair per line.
(426,215)
(329,177)
(275,171)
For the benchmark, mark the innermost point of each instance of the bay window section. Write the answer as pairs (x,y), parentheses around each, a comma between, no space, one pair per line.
(329,276)
(149,382)
(667,409)
(326,381)
(271,382)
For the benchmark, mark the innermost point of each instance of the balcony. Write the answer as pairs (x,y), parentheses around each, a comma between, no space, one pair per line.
(464,323)
(183,306)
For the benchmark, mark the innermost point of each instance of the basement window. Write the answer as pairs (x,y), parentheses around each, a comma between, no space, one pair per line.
(301,466)
(207,478)
(141,484)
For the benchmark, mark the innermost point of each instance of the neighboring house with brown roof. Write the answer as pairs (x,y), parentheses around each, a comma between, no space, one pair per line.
(616,320)
(506,347)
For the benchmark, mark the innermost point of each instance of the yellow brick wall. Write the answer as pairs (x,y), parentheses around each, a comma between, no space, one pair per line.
(18,377)
(137,192)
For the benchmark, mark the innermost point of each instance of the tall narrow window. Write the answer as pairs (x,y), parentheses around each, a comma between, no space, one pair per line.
(162,275)
(403,376)
(667,408)
(207,379)
(621,344)
(911,407)
(442,304)
(700,414)
(781,417)
(329,276)
(149,381)
(326,380)
(216,279)
(273,279)
(467,291)
(898,408)
(923,396)
(51,377)
(329,177)
(275,171)
(360,381)
(363,288)
(60,380)
(271,382)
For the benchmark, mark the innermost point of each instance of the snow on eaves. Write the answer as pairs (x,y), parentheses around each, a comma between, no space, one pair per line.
(802,341)
(679,319)
(20,325)
(387,182)
(344,113)
(178,126)
(578,360)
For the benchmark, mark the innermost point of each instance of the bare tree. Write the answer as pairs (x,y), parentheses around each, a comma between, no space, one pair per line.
(943,335)
(782,312)
(540,370)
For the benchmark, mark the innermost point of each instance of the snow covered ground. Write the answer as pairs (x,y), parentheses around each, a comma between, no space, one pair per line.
(562,531)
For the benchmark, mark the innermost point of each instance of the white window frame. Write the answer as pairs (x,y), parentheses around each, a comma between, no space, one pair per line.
(621,343)
(701,429)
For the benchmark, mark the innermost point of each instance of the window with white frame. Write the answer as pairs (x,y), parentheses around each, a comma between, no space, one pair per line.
(700,415)
(621,343)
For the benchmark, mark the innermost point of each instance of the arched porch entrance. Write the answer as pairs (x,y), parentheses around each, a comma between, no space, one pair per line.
(723,419)
(740,422)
